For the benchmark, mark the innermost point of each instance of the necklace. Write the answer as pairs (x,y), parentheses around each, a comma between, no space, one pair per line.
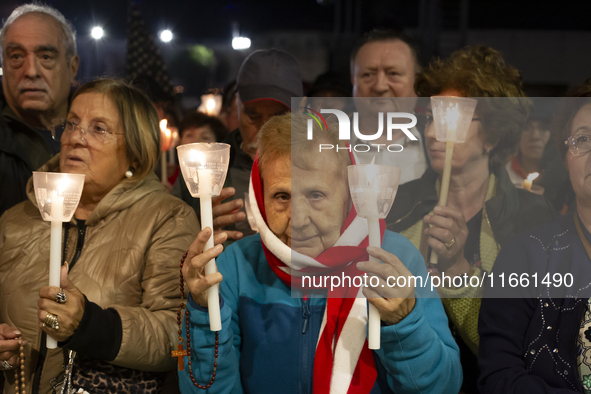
(20,377)
(180,353)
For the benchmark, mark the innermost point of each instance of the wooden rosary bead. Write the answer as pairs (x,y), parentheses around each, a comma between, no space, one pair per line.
(20,378)
(188,340)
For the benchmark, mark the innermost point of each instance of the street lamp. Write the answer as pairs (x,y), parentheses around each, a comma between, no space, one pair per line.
(165,35)
(97,33)
(240,43)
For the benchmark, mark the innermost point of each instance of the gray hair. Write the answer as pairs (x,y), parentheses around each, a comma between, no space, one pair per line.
(69,34)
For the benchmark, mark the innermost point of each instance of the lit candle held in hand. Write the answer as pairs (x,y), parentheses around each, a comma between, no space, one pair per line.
(451,119)
(57,197)
(373,189)
(204,167)
(165,137)
(527,182)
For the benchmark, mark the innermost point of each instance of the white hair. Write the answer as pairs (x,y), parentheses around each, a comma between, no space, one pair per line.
(69,34)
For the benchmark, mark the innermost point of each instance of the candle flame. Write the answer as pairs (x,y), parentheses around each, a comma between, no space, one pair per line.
(165,135)
(532,176)
(60,186)
(197,156)
(163,124)
(452,115)
(210,106)
(371,173)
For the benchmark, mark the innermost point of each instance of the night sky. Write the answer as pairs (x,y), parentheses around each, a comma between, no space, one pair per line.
(194,20)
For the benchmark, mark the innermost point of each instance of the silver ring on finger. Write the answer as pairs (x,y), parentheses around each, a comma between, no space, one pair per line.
(61,298)
(449,244)
(5,366)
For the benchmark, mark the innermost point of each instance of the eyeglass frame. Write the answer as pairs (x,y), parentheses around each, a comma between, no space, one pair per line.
(429,119)
(83,131)
(570,143)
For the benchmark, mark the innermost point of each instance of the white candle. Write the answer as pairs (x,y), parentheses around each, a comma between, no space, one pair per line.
(370,203)
(205,182)
(374,321)
(213,298)
(165,137)
(527,183)
(173,142)
(204,168)
(55,255)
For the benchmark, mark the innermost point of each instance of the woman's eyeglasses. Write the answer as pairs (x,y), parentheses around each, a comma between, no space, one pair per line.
(579,144)
(96,130)
(429,119)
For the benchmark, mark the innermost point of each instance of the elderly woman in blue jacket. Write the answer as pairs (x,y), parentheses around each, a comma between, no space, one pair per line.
(276,336)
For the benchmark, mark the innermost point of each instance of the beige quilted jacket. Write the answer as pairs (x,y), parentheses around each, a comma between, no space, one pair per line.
(130,261)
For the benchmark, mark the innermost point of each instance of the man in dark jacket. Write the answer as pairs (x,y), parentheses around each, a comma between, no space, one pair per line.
(266,83)
(39,63)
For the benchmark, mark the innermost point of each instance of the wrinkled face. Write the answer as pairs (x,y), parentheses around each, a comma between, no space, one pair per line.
(471,152)
(37,76)
(197,134)
(306,208)
(252,116)
(104,162)
(579,166)
(384,69)
(534,138)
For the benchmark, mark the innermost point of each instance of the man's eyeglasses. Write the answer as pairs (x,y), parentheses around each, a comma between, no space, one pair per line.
(96,130)
(578,144)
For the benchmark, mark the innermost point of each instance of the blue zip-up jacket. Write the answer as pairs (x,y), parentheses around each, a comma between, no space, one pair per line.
(268,339)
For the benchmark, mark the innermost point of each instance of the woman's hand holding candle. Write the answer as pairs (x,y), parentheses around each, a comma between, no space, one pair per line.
(393,303)
(69,314)
(194,267)
(448,226)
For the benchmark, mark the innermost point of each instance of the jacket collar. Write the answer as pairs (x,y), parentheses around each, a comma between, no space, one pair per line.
(504,206)
(8,142)
(121,197)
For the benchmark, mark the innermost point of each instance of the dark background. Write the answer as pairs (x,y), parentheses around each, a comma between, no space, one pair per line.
(549,41)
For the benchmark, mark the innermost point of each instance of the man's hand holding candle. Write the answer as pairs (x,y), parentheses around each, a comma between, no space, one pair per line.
(225,214)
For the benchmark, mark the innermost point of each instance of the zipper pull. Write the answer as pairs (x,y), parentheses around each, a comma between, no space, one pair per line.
(305,314)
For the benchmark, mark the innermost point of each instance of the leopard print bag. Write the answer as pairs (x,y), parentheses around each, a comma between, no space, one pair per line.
(91,376)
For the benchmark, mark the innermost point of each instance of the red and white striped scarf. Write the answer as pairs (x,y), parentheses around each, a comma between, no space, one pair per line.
(343,362)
